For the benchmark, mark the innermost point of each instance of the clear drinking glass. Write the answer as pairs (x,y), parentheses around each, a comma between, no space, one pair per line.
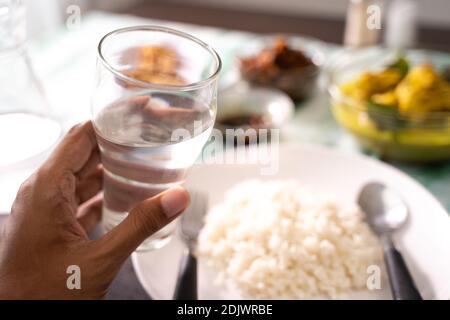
(154,107)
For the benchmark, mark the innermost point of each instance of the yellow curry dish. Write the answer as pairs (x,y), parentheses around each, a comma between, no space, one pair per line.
(400,110)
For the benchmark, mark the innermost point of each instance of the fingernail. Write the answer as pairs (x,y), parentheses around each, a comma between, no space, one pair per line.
(174,201)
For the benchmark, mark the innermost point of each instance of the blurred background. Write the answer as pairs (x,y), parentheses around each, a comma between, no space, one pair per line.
(324,19)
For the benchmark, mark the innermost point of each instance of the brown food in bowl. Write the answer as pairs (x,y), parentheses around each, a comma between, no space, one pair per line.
(281,67)
(255,121)
(249,125)
(153,64)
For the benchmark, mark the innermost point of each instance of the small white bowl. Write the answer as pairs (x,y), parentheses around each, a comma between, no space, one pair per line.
(245,100)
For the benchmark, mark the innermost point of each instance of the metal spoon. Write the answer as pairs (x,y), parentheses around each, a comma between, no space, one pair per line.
(191,224)
(386,212)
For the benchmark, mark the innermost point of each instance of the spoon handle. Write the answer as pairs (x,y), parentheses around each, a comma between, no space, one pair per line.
(402,284)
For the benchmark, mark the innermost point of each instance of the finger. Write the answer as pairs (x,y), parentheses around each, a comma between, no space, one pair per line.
(74,150)
(174,113)
(90,186)
(139,100)
(133,104)
(137,104)
(91,165)
(90,213)
(145,219)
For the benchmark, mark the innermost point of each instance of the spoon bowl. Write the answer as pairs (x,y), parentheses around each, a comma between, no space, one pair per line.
(385,209)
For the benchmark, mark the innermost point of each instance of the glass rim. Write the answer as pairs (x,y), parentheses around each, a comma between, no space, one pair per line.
(145,84)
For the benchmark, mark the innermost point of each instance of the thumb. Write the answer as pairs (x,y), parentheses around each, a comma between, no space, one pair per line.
(144,219)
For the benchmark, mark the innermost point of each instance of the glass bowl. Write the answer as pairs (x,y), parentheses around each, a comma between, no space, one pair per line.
(391,136)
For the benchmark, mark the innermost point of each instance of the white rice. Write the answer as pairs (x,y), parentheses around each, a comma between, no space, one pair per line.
(277,240)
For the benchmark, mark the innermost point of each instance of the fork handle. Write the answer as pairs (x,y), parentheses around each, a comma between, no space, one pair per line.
(402,284)
(186,287)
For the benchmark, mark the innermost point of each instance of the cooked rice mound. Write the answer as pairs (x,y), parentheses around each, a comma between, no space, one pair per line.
(278,240)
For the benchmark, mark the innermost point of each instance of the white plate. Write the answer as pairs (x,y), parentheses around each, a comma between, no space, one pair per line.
(424,241)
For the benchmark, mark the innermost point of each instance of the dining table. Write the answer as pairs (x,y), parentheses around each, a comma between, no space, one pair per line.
(65,63)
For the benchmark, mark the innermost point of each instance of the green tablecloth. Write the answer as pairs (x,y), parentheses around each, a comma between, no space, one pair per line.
(65,61)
